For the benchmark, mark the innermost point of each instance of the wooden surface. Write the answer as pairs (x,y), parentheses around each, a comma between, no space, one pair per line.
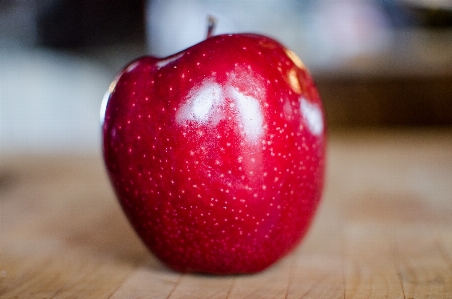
(384,230)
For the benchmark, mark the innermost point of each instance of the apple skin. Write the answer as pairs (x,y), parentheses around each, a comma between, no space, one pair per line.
(217,153)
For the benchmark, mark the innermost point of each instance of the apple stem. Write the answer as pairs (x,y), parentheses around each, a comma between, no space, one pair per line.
(212,22)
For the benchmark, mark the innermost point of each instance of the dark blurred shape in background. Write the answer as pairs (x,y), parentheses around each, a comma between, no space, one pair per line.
(81,23)
(376,62)
(431,13)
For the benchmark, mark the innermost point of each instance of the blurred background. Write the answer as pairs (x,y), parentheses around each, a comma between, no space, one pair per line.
(377,63)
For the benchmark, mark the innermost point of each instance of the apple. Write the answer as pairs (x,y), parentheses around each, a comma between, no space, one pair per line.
(217,153)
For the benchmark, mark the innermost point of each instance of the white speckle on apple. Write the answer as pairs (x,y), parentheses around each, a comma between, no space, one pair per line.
(288,111)
(313,116)
(250,114)
(167,61)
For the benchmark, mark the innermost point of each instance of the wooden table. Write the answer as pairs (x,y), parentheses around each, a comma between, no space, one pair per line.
(384,230)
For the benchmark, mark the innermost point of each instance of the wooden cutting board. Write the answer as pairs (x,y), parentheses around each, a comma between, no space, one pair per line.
(384,230)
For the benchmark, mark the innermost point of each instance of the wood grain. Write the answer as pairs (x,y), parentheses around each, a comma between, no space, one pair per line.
(383,230)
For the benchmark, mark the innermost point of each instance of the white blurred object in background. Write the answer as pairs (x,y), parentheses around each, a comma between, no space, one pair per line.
(175,25)
(49,102)
(324,33)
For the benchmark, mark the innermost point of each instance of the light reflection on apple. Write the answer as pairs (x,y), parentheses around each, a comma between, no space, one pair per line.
(202,102)
(313,116)
(250,114)
(204,105)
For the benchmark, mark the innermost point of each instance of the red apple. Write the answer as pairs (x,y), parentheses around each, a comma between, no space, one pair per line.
(217,153)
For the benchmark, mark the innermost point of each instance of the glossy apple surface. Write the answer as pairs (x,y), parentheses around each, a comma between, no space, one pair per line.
(217,153)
